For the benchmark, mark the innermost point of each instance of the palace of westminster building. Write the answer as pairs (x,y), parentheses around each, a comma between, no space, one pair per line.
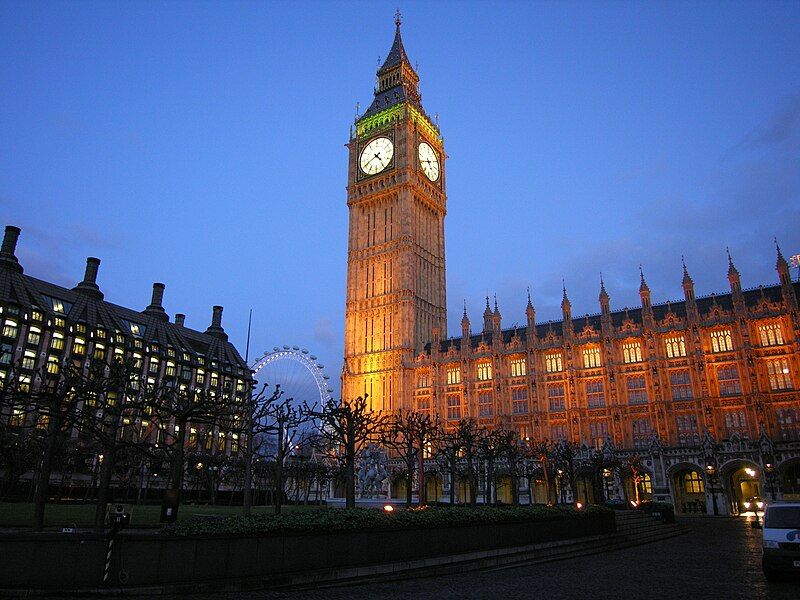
(703,389)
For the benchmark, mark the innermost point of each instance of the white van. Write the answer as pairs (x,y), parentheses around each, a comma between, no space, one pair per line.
(781,539)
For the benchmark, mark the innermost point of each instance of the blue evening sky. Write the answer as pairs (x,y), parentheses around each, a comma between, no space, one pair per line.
(201,144)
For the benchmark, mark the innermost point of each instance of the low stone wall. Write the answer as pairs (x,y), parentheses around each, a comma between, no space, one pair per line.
(53,561)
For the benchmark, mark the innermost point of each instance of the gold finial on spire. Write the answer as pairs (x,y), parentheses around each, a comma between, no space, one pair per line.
(398,18)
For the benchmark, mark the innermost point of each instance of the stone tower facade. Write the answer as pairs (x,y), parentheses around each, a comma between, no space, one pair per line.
(396,261)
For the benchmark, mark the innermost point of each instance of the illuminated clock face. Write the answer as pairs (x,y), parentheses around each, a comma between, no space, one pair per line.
(428,161)
(376,155)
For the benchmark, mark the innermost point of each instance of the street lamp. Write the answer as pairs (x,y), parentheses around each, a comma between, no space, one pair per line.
(607,479)
(769,471)
(711,472)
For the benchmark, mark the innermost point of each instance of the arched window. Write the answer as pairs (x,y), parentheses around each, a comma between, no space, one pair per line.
(692,483)
(646,484)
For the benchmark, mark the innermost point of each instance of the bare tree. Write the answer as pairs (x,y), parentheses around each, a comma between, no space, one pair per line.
(409,434)
(447,447)
(470,437)
(345,429)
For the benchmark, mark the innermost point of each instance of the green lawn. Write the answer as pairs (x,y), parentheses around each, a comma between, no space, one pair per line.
(20,514)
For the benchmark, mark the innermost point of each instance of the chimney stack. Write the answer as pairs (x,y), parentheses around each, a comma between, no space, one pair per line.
(180,319)
(89,283)
(155,307)
(216,324)
(7,256)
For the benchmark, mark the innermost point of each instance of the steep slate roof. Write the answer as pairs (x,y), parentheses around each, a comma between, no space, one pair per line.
(87,306)
(705,304)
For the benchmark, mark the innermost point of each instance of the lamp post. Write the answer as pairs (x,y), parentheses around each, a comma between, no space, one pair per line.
(607,480)
(711,471)
(769,472)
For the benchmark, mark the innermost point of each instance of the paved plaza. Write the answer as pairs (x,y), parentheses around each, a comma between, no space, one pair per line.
(718,558)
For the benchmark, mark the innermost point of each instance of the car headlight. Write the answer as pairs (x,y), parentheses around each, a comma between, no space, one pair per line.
(771,544)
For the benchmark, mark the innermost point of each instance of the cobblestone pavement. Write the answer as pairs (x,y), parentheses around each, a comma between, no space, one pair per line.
(718,558)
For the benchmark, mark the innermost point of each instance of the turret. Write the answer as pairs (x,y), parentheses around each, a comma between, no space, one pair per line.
(566,310)
(488,317)
(496,324)
(647,305)
(8,258)
(89,284)
(736,285)
(789,297)
(688,294)
(465,327)
(605,308)
(530,313)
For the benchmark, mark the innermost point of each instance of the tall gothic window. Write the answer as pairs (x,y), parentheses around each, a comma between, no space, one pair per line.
(453,407)
(641,431)
(681,384)
(693,483)
(558,432)
(598,432)
(631,352)
(770,334)
(556,397)
(485,405)
(484,371)
(518,367)
(721,340)
(553,362)
(676,346)
(779,375)
(728,378)
(688,435)
(519,400)
(788,424)
(453,375)
(595,393)
(637,389)
(736,422)
(591,357)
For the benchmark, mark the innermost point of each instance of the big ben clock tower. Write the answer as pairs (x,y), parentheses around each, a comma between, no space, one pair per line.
(395,258)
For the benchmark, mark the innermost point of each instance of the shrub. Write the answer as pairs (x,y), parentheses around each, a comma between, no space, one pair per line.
(339,520)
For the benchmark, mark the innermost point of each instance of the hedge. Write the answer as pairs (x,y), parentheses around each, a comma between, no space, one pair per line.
(359,519)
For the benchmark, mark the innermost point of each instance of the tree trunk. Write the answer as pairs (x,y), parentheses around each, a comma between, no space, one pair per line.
(104,489)
(247,486)
(422,488)
(489,481)
(409,486)
(453,482)
(473,483)
(279,470)
(176,470)
(349,480)
(43,478)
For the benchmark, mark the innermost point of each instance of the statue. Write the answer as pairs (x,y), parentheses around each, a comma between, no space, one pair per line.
(372,472)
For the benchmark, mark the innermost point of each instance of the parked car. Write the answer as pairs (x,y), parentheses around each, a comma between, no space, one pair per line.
(781,534)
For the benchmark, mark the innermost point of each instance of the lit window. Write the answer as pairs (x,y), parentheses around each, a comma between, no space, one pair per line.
(36,315)
(99,351)
(10,328)
(637,389)
(29,359)
(24,383)
(681,385)
(558,432)
(221,441)
(779,376)
(58,306)
(688,434)
(518,367)
(519,400)
(591,358)
(53,365)
(728,378)
(201,376)
(137,360)
(59,322)
(721,340)
(79,346)
(192,437)
(646,484)
(453,407)
(234,443)
(641,431)
(423,404)
(676,346)
(422,380)
(17,417)
(556,397)
(595,393)
(34,335)
(692,483)
(770,334)
(736,422)
(553,362)
(485,404)
(631,352)
(153,367)
(453,375)
(170,369)
(484,371)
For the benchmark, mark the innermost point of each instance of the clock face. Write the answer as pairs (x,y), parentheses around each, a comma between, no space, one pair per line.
(428,161)
(376,155)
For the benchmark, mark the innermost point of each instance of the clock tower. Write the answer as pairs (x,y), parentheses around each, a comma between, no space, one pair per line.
(395,257)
